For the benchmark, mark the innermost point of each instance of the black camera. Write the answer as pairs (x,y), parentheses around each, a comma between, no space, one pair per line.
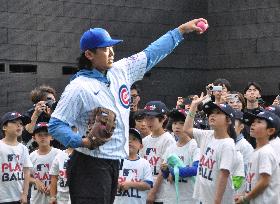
(51,104)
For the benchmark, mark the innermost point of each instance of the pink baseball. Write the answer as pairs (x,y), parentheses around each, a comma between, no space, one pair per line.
(202,25)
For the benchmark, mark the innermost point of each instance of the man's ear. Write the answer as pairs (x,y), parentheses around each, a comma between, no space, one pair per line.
(89,54)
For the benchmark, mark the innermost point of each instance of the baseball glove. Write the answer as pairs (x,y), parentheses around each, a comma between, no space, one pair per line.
(101,126)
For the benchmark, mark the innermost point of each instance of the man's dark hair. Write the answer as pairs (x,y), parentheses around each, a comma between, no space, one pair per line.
(84,62)
(135,86)
(222,81)
(255,84)
(40,93)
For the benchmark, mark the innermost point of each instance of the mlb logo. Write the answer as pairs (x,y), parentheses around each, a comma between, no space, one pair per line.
(182,158)
(40,167)
(130,173)
(151,150)
(11,157)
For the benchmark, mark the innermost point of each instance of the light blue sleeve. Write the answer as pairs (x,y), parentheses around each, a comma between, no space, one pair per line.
(162,47)
(62,132)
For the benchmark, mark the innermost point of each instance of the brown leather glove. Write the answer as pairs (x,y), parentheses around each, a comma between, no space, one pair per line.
(101,126)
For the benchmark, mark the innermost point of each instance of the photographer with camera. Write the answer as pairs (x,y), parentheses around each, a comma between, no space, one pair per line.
(43,98)
(219,90)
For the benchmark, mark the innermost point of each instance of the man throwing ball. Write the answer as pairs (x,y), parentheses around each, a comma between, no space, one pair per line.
(97,102)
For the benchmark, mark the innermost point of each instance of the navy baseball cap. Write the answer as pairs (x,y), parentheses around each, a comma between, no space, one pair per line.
(274,109)
(266,115)
(136,134)
(225,108)
(155,108)
(139,114)
(238,115)
(96,38)
(178,114)
(10,116)
(42,126)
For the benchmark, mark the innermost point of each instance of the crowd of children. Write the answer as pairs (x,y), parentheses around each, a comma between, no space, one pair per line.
(233,159)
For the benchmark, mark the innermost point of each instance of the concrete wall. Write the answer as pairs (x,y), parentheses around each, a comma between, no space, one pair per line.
(244,42)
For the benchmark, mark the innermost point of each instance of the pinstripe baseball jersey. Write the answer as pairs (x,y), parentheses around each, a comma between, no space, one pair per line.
(86,92)
(83,94)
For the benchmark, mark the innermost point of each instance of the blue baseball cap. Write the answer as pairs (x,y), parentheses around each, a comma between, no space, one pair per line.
(155,108)
(10,116)
(178,114)
(225,108)
(274,109)
(266,115)
(136,134)
(96,38)
(238,115)
(42,126)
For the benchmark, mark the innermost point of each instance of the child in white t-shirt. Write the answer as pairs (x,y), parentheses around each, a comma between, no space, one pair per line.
(218,153)
(14,160)
(262,178)
(42,160)
(186,149)
(242,144)
(155,145)
(244,148)
(135,176)
(275,142)
(59,189)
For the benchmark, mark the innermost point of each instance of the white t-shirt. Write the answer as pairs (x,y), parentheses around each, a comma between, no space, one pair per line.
(275,143)
(41,168)
(264,160)
(216,154)
(245,149)
(153,150)
(238,170)
(137,171)
(188,153)
(58,168)
(12,159)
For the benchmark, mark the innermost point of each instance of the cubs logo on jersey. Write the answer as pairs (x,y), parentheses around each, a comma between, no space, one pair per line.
(124,96)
